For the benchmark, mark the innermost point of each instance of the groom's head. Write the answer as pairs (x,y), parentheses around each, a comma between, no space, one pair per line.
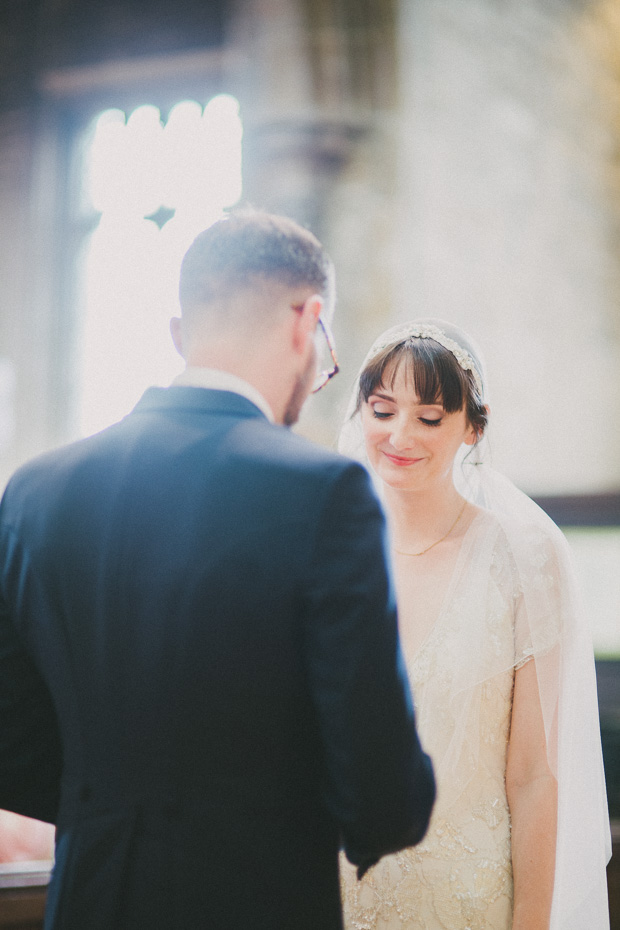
(252,288)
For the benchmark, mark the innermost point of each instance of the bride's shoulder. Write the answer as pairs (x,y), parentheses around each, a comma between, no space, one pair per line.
(509,512)
(528,547)
(531,526)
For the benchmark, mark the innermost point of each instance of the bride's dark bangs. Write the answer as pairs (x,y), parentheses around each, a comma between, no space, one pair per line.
(435,373)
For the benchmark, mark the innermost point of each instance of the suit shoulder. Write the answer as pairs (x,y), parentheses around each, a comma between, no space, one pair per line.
(276,443)
(35,470)
(48,470)
(289,468)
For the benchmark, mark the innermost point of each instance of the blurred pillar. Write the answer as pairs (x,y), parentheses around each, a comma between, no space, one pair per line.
(316,80)
(292,165)
(315,74)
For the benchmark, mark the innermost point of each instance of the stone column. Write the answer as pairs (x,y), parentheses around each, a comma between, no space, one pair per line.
(318,92)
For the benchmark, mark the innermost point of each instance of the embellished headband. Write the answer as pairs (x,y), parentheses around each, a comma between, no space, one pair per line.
(428,331)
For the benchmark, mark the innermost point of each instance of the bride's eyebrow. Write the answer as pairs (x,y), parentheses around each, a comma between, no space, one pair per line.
(381,395)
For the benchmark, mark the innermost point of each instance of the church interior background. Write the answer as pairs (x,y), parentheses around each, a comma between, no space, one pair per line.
(459,158)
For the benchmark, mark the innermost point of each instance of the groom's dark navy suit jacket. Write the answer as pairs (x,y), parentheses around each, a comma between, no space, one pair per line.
(199,672)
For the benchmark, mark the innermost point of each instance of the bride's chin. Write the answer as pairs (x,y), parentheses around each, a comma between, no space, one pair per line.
(398,482)
(395,476)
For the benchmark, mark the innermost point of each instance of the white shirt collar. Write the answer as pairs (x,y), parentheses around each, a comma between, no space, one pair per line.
(216,380)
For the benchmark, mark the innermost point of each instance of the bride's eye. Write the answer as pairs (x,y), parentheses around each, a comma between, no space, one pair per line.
(380,414)
(428,422)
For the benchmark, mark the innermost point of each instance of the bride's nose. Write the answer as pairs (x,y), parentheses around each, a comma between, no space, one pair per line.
(403,434)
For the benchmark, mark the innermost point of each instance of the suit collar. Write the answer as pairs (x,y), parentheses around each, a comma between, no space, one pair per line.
(215,378)
(197,399)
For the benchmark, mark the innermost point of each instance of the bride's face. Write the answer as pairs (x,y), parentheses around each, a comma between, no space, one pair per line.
(411,445)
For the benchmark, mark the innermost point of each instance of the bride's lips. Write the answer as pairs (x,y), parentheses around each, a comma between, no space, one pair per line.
(400,460)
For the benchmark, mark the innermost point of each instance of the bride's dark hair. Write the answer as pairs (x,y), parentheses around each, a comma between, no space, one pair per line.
(436,376)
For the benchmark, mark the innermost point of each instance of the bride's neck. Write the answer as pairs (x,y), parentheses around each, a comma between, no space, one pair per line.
(420,514)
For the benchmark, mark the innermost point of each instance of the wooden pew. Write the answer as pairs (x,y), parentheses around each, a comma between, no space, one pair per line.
(23,886)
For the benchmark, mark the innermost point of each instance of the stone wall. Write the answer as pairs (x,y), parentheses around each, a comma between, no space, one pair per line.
(510,217)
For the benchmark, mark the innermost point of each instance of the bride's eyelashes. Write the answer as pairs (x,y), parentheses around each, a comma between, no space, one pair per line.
(384,415)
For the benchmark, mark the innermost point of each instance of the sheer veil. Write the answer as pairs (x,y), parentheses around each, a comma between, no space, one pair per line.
(550,628)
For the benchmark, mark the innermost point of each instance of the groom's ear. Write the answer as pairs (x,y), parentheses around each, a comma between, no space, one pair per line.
(305,326)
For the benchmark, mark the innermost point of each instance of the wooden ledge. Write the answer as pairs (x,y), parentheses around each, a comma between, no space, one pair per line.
(25,874)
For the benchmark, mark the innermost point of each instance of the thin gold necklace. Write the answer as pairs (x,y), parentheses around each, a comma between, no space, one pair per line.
(436,543)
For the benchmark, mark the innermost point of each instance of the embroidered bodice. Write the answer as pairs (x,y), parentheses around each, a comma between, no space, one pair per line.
(460,876)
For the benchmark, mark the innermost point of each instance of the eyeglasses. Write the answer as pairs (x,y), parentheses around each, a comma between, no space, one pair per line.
(328,373)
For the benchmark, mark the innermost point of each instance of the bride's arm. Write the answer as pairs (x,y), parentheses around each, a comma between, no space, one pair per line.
(532,796)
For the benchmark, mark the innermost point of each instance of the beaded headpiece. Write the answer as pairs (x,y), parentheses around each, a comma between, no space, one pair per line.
(428,331)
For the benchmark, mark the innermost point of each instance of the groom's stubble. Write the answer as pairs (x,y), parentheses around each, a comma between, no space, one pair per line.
(299,394)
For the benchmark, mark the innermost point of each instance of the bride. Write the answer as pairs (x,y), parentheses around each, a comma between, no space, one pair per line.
(499,659)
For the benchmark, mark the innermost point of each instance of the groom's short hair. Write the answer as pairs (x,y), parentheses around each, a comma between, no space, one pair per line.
(249,248)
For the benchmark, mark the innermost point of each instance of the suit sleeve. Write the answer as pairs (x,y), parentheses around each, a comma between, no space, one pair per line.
(30,752)
(380,785)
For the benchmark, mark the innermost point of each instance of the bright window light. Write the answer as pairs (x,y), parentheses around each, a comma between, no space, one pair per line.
(154,186)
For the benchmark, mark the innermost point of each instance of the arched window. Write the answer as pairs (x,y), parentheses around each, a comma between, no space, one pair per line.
(148,187)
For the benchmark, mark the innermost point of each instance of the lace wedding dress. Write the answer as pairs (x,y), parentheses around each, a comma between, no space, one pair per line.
(460,876)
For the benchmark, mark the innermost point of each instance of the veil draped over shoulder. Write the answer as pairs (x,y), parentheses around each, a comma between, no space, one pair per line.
(550,628)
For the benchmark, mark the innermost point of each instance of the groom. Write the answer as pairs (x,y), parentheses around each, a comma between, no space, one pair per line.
(200,678)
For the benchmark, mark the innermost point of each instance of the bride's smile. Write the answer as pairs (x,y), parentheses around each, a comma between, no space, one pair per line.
(410,443)
(400,460)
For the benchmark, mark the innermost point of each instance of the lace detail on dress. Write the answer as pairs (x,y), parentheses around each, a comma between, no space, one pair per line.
(540,560)
(460,876)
